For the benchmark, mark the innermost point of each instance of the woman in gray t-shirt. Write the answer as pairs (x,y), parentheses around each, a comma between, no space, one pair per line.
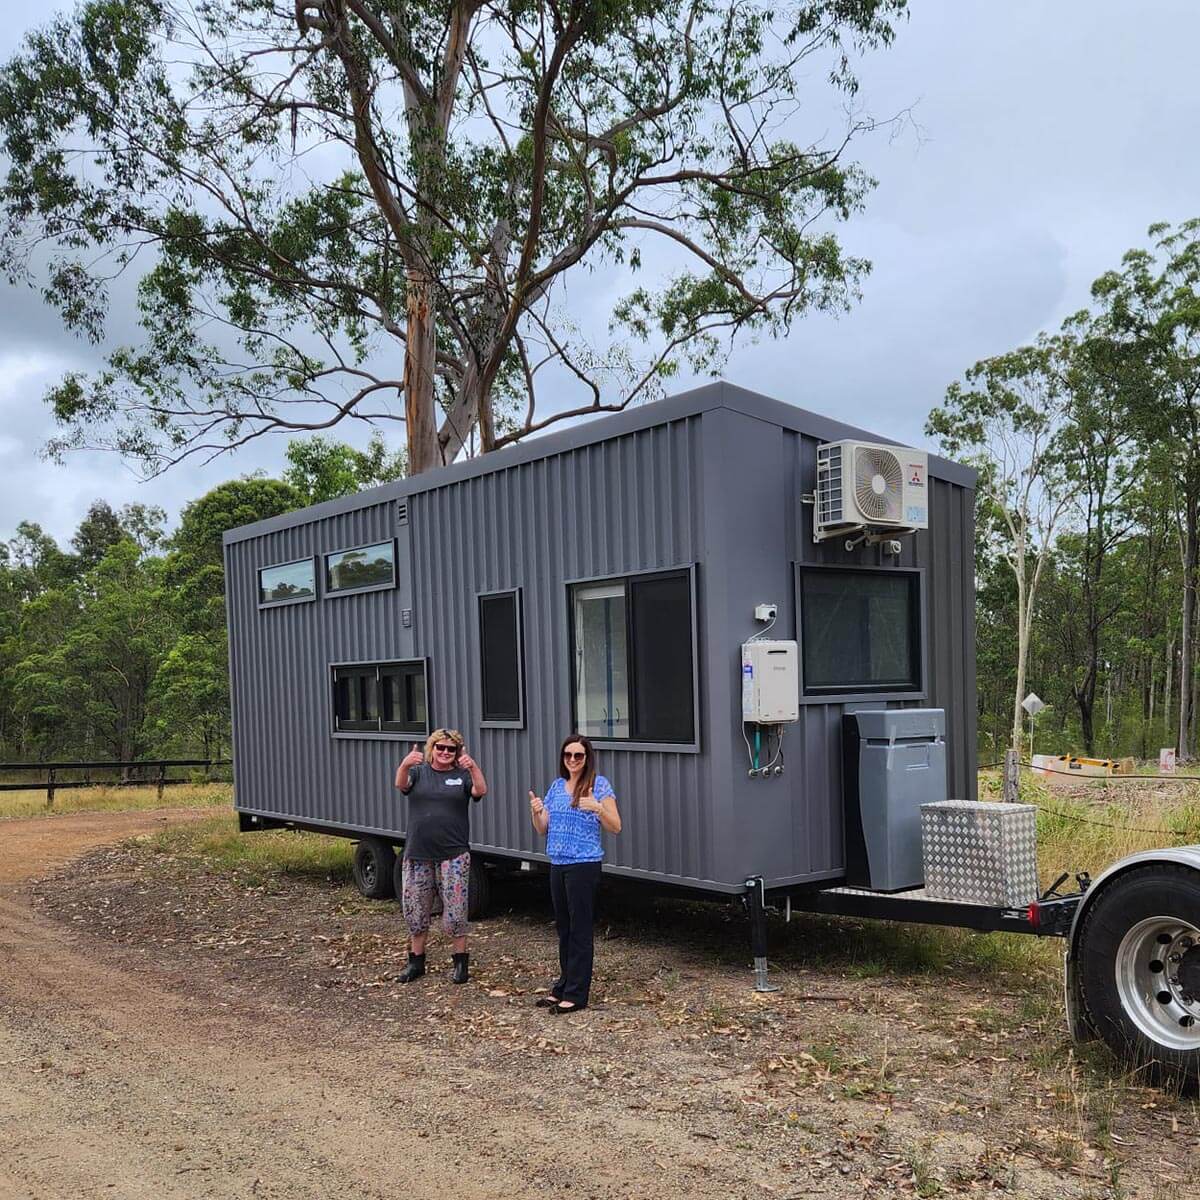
(440,783)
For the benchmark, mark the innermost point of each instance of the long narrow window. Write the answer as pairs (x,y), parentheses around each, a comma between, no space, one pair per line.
(501,653)
(381,698)
(634,667)
(860,631)
(287,582)
(360,568)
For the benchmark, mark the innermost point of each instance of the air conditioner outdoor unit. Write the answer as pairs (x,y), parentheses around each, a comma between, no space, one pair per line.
(862,485)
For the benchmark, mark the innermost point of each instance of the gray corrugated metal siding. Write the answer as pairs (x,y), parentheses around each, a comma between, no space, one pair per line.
(711,481)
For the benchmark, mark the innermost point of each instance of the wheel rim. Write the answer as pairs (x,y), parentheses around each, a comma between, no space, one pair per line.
(369,870)
(1152,994)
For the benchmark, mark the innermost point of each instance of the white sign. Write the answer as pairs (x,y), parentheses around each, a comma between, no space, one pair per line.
(1033,704)
(1166,761)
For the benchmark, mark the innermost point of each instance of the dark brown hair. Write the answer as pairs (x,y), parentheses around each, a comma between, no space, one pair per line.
(587,780)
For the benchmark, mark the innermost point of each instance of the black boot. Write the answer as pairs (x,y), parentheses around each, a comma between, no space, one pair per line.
(414,970)
(460,974)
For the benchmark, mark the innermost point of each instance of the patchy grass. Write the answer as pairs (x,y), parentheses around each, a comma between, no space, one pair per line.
(32,803)
(258,858)
(1082,826)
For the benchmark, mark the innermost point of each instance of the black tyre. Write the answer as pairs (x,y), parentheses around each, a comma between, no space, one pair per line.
(1139,970)
(479,890)
(374,860)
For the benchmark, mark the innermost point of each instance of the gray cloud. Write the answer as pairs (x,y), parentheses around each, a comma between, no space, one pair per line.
(1044,139)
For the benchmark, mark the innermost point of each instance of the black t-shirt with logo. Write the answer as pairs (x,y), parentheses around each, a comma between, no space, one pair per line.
(439,821)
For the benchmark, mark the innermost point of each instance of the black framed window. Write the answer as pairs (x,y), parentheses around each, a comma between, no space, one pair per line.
(361,567)
(860,631)
(405,710)
(634,669)
(381,698)
(501,652)
(355,698)
(287,582)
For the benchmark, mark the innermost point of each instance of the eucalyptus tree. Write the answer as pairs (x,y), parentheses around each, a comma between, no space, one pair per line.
(1007,419)
(366,209)
(1102,380)
(1152,305)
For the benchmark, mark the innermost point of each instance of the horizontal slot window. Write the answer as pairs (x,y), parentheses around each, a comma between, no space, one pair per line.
(381,698)
(288,582)
(361,567)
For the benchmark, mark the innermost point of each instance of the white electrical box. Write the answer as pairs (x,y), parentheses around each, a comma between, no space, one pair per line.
(770,682)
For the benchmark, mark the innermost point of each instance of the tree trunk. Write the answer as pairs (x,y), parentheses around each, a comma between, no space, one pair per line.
(420,357)
(1168,687)
(1187,650)
(1087,707)
(1148,710)
(1022,653)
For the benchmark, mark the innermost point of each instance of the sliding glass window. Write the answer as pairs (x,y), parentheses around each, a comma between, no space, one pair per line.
(634,670)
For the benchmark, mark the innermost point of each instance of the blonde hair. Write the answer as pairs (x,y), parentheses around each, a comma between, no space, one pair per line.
(442,735)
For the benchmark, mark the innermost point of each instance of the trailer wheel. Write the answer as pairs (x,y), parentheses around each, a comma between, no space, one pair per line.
(373,863)
(479,890)
(1139,969)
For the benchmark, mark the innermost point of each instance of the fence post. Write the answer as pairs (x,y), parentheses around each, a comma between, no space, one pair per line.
(162,775)
(50,788)
(1012,777)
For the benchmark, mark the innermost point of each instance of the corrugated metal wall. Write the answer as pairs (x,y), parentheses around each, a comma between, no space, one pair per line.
(614,507)
(791,829)
(708,486)
(285,760)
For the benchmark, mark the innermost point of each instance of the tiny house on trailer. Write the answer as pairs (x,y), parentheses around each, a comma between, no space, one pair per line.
(763,618)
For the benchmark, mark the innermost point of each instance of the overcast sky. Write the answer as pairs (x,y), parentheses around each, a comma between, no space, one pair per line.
(1050,136)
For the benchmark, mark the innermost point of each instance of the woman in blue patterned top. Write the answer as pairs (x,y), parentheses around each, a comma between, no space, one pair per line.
(578,805)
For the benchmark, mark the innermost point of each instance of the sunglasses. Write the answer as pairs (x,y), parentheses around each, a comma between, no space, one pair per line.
(574,755)
(444,748)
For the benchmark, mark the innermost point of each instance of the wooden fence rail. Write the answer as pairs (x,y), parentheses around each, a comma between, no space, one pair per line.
(132,774)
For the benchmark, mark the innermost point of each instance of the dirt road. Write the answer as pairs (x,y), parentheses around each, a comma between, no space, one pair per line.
(115,1082)
(168,1030)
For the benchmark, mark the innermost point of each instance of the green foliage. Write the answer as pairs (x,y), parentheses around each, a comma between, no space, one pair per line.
(119,651)
(319,469)
(91,653)
(471,158)
(1122,382)
(190,704)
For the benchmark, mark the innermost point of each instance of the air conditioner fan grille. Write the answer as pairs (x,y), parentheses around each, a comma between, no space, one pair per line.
(878,484)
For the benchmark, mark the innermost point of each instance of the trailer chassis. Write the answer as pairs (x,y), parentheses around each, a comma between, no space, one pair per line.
(1051,915)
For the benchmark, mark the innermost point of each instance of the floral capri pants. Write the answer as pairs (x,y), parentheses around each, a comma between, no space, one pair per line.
(422,877)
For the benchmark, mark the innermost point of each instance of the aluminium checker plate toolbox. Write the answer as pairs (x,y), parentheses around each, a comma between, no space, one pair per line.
(979,852)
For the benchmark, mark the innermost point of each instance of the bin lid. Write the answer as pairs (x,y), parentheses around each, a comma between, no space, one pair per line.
(891,724)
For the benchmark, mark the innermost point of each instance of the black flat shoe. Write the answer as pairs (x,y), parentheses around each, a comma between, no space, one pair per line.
(547,1002)
(561,1011)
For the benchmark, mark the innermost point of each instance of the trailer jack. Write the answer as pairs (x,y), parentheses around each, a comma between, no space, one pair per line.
(756,902)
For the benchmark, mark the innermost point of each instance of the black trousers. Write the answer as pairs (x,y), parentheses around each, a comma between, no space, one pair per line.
(573,893)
